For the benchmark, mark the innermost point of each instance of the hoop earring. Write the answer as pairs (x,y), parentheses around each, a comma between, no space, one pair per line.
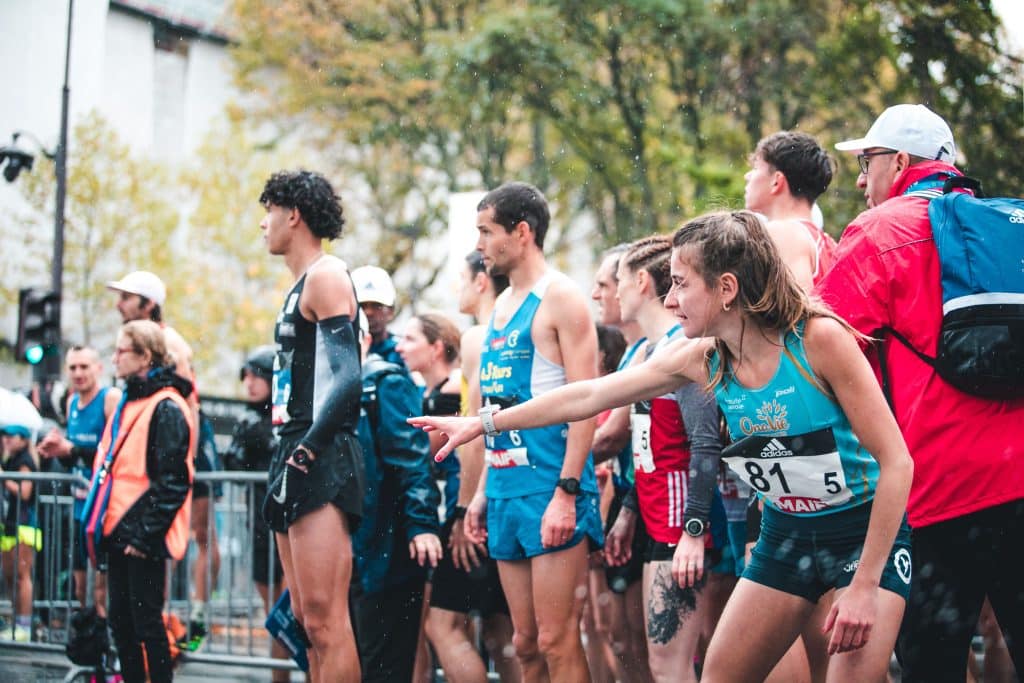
(725,307)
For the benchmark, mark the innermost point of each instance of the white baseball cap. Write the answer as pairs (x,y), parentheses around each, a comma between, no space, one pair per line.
(373,284)
(912,128)
(143,283)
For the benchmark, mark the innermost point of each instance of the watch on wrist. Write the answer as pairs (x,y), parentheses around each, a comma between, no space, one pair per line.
(570,485)
(487,413)
(301,456)
(695,527)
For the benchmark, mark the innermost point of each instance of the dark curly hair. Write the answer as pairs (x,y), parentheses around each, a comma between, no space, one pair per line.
(516,202)
(312,195)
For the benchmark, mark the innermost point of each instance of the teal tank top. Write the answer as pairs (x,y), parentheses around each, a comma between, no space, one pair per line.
(512,371)
(792,441)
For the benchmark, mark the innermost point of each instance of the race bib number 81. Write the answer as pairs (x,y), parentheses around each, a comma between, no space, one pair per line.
(798,474)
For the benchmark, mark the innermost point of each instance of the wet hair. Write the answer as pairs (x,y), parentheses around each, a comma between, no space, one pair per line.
(437,327)
(312,195)
(798,156)
(146,335)
(475,262)
(516,202)
(652,254)
(612,344)
(737,242)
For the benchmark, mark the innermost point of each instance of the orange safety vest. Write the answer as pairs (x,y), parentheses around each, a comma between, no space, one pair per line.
(129,479)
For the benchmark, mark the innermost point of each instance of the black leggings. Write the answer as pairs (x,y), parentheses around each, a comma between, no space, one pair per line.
(957,563)
(136,593)
(387,625)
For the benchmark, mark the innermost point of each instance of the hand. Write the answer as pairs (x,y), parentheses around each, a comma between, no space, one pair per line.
(475,523)
(558,524)
(459,430)
(688,561)
(466,555)
(852,615)
(301,458)
(425,548)
(54,445)
(132,551)
(618,544)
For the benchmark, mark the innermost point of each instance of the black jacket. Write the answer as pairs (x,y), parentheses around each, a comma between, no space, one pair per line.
(253,444)
(146,523)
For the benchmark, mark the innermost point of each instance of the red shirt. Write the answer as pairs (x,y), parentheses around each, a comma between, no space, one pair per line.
(968,452)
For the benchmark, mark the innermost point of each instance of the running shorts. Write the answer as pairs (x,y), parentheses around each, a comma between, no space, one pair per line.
(477,591)
(513,525)
(808,556)
(336,476)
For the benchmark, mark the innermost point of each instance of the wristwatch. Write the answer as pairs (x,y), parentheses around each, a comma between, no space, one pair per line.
(487,413)
(570,485)
(695,527)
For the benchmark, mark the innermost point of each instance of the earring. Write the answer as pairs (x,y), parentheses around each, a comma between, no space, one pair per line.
(725,307)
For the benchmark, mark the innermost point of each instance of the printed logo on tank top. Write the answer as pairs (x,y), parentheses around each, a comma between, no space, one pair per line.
(281,388)
(771,417)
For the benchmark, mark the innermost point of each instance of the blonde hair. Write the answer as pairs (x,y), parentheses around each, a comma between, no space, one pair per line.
(737,242)
(148,336)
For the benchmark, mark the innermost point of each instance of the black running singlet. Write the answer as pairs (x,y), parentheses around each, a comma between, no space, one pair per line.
(302,373)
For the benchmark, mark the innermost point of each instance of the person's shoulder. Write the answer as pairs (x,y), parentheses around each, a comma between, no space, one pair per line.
(563,290)
(823,332)
(175,342)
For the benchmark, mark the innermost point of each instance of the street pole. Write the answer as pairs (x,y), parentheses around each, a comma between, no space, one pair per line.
(49,368)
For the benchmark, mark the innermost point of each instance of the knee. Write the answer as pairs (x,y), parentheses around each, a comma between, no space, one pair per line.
(552,641)
(526,645)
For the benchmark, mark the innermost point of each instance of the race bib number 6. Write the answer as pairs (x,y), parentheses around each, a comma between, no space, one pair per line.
(798,474)
(505,450)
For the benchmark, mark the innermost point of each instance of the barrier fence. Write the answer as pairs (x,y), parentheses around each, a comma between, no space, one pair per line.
(235,610)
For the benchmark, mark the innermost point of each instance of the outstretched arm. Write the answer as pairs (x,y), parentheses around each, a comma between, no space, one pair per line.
(679,362)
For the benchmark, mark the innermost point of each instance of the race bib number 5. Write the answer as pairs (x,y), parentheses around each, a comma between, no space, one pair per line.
(643,456)
(798,474)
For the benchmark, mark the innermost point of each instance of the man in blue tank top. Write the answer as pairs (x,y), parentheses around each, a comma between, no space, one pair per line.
(540,488)
(89,408)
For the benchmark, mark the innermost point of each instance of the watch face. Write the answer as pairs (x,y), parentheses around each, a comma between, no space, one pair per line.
(570,485)
(695,527)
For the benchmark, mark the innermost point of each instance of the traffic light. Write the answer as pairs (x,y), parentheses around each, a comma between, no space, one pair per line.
(38,325)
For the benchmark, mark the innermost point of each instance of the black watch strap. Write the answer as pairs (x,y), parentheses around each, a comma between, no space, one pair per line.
(570,485)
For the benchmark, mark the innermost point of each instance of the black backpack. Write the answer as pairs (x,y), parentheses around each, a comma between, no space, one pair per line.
(88,642)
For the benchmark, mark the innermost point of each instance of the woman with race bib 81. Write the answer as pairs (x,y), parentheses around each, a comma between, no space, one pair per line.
(813,435)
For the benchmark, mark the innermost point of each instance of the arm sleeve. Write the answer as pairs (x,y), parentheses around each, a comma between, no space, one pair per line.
(338,406)
(85,454)
(167,467)
(405,452)
(700,417)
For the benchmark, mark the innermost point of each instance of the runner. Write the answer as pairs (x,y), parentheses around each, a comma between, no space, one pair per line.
(141,296)
(90,407)
(670,432)
(788,172)
(621,614)
(467,552)
(316,476)
(839,468)
(541,496)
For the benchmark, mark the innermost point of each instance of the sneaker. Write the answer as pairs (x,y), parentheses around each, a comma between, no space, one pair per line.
(195,636)
(22,634)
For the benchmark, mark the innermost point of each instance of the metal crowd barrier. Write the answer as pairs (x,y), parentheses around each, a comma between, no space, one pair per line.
(235,612)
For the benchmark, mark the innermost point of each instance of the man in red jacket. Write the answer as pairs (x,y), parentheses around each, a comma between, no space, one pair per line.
(967,500)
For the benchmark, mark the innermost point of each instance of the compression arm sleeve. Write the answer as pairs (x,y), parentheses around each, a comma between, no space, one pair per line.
(700,416)
(338,383)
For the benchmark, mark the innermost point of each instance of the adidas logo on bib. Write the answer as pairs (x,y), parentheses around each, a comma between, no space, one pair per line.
(775,449)
(1017,216)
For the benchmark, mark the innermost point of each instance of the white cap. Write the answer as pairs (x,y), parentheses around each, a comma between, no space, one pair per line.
(373,284)
(912,128)
(143,283)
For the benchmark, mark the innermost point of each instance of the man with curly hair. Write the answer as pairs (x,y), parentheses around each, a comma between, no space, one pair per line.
(316,477)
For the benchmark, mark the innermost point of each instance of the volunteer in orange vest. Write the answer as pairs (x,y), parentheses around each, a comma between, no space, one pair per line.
(147,518)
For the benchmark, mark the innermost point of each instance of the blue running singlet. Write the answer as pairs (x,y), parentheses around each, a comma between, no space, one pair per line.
(622,464)
(85,427)
(792,442)
(512,371)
